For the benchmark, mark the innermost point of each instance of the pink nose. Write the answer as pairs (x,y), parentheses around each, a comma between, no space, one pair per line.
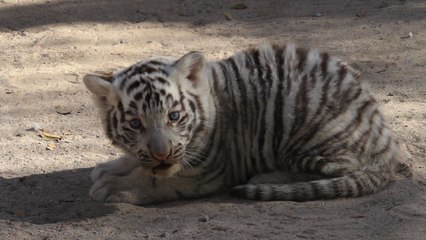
(160,147)
(161,157)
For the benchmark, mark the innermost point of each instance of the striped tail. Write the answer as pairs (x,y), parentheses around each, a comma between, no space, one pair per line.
(352,185)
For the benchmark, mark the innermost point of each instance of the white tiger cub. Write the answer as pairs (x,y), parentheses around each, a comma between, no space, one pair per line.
(269,123)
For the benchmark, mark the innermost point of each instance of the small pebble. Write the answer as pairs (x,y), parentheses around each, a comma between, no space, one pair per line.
(410,35)
(318,14)
(239,6)
(227,16)
(34,128)
(204,219)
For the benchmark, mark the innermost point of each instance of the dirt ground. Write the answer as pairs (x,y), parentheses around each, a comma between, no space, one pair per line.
(47,46)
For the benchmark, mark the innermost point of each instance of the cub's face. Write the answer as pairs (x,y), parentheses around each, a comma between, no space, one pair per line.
(152,109)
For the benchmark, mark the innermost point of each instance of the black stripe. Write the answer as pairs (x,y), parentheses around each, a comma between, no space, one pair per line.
(341,75)
(158,63)
(157,97)
(348,187)
(109,117)
(211,148)
(202,118)
(138,96)
(192,105)
(337,137)
(215,174)
(132,86)
(243,113)
(123,83)
(146,69)
(147,99)
(261,118)
(120,106)
(317,189)
(243,93)
(323,113)
(375,179)
(183,119)
(181,98)
(301,106)
(279,105)
(324,64)
(256,56)
(133,105)
(335,186)
(254,104)
(302,55)
(269,77)
(164,72)
(163,81)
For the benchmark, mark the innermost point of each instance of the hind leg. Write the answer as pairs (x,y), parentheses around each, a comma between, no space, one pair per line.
(282,177)
(327,166)
(309,169)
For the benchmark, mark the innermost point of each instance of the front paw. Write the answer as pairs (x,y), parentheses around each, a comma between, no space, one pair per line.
(118,167)
(97,173)
(110,191)
(131,197)
(102,189)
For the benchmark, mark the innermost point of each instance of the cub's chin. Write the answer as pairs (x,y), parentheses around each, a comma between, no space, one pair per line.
(164,170)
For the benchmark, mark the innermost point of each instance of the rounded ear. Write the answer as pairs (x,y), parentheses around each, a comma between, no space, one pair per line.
(102,88)
(191,66)
(97,85)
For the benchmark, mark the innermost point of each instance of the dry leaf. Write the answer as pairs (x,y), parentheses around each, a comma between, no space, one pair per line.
(239,6)
(20,213)
(51,146)
(49,136)
(228,16)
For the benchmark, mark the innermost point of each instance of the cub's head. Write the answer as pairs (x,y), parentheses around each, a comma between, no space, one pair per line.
(153,109)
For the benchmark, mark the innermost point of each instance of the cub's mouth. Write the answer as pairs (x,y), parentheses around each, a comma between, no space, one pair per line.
(160,167)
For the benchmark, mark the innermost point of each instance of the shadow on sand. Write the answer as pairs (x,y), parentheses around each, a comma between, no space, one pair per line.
(20,16)
(49,198)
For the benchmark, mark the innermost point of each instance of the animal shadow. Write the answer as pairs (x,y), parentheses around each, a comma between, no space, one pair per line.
(48,198)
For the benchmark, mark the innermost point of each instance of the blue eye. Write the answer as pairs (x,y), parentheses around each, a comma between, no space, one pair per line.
(135,123)
(174,116)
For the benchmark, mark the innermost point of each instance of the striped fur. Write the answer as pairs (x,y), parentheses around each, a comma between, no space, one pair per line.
(264,112)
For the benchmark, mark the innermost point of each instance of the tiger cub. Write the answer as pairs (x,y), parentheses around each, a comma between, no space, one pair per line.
(269,123)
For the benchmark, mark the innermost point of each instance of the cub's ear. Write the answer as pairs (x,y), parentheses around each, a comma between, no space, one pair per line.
(191,66)
(101,87)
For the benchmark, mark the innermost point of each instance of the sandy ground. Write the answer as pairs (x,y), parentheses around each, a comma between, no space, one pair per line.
(47,46)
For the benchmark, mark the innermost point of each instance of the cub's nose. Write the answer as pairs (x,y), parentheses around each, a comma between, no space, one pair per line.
(161,156)
(160,149)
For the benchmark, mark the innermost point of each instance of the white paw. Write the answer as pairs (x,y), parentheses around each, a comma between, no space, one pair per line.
(109,190)
(119,167)
(101,190)
(98,172)
(127,197)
